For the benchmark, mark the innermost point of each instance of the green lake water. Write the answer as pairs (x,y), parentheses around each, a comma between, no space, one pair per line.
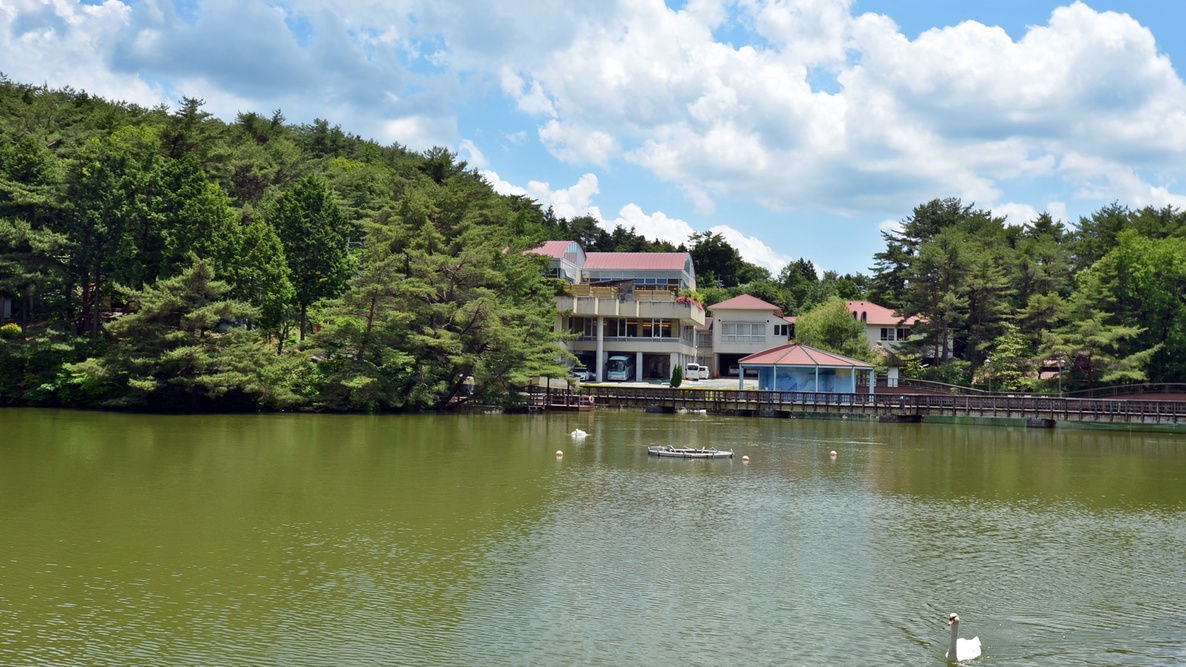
(464,540)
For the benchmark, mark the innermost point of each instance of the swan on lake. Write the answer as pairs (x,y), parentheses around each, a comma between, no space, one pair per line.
(961,649)
(578,433)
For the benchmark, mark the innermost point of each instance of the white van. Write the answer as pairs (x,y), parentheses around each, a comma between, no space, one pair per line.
(696,372)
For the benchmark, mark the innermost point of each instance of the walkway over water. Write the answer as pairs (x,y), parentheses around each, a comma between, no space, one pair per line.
(1038,410)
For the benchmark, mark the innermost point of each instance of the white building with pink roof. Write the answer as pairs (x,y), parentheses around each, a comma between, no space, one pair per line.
(626,309)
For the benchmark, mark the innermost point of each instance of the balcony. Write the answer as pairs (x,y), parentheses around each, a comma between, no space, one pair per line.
(652,304)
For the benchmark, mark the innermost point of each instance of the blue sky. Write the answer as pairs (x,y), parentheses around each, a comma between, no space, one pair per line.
(795,128)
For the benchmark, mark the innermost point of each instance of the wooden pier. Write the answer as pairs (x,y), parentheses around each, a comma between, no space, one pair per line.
(545,398)
(1038,411)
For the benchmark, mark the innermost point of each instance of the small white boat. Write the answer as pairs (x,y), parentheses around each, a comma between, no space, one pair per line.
(688,452)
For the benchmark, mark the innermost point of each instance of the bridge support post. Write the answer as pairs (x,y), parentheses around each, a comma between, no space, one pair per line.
(1040,423)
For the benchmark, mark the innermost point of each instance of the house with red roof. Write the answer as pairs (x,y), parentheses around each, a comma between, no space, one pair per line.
(746,325)
(799,367)
(740,327)
(626,309)
(882,325)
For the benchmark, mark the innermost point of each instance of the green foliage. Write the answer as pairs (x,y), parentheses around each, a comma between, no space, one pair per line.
(29,363)
(260,277)
(717,263)
(677,376)
(830,326)
(309,219)
(953,371)
(182,348)
(1088,345)
(313,231)
(1008,367)
(1146,282)
(438,299)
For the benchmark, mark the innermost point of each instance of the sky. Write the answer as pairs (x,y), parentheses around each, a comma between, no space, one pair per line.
(794,128)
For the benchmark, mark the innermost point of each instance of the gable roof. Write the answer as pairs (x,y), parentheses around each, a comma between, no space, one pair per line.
(798,354)
(875,314)
(746,302)
(660,261)
(553,249)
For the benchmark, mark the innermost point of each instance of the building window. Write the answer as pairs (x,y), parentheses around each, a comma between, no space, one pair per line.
(585,326)
(623,328)
(887,334)
(903,334)
(656,329)
(743,332)
(782,331)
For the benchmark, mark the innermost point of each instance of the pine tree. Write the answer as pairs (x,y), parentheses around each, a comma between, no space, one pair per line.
(313,230)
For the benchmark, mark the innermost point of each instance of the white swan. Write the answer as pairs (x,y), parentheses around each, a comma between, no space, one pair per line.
(578,434)
(961,649)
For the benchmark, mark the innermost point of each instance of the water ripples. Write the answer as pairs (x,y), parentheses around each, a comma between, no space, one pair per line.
(611,557)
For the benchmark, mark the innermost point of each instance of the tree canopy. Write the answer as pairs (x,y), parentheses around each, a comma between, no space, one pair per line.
(167,259)
(1103,301)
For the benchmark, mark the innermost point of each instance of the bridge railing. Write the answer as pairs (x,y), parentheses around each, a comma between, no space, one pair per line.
(1019,405)
(1130,389)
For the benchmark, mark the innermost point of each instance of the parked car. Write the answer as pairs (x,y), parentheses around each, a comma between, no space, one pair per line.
(581,373)
(696,372)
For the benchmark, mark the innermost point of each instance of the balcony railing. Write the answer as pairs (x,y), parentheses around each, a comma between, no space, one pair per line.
(672,308)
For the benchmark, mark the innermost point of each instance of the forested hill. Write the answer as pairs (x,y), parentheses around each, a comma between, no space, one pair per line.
(165,259)
(1004,304)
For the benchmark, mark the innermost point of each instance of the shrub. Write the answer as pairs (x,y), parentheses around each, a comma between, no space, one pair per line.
(677,376)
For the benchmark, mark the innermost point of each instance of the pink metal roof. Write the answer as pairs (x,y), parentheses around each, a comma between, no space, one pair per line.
(745,302)
(798,354)
(875,314)
(661,261)
(553,249)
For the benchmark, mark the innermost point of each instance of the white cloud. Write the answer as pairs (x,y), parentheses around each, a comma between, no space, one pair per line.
(808,105)
(1058,211)
(655,225)
(753,249)
(500,186)
(473,155)
(659,225)
(67,44)
(890,227)
(418,132)
(578,144)
(570,202)
(810,32)
(1015,214)
(530,98)
(577,200)
(958,111)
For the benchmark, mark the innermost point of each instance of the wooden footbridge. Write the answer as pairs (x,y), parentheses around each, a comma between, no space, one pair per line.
(1038,411)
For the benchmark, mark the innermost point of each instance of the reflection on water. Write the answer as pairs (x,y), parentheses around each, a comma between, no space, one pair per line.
(370,540)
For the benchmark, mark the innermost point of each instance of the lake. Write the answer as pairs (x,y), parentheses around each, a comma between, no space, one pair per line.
(465,540)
